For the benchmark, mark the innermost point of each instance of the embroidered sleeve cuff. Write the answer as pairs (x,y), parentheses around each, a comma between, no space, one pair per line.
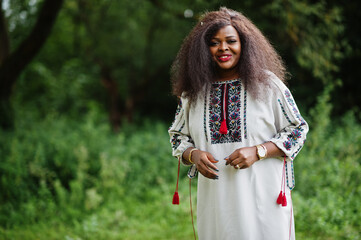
(291,140)
(178,152)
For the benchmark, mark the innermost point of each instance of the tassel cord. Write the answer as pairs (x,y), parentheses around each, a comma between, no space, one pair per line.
(176,195)
(190,202)
(291,217)
(283,183)
(223,128)
(176,188)
(282,200)
(224,101)
(280,195)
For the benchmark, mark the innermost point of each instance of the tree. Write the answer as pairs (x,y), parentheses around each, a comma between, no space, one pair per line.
(133,45)
(13,63)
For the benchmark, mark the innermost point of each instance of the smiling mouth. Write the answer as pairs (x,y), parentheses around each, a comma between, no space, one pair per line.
(224,58)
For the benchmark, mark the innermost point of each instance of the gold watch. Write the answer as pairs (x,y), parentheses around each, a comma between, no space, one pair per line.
(261,151)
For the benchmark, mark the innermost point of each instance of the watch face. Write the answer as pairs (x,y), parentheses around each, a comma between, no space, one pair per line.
(261,151)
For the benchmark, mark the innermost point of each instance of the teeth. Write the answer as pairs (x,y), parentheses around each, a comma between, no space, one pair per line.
(224,57)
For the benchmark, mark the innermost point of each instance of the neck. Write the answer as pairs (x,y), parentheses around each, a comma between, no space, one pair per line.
(225,75)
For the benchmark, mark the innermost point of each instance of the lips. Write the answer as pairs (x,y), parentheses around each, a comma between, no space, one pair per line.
(224,57)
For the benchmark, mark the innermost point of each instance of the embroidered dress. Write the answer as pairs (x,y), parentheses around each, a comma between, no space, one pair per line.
(241,204)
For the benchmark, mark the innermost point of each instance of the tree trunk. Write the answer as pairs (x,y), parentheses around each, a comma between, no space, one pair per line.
(4,36)
(111,86)
(13,64)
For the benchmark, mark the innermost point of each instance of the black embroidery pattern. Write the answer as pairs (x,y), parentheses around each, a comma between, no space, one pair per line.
(233,112)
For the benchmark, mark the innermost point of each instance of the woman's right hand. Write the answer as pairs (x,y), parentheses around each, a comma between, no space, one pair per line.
(204,163)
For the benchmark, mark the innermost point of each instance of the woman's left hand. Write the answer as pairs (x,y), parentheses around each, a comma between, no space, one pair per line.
(242,157)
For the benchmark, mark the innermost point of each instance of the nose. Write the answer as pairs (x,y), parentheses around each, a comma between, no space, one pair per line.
(223,46)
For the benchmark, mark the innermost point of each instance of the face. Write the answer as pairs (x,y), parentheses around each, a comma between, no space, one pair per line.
(225,48)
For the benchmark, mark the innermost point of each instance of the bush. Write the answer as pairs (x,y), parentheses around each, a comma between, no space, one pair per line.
(62,167)
(328,191)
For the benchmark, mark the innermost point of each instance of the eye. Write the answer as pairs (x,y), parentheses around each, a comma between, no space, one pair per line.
(213,43)
(231,41)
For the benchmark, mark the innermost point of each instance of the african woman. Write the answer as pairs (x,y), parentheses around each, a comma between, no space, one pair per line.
(238,125)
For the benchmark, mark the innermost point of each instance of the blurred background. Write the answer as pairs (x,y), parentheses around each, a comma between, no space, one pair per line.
(85,104)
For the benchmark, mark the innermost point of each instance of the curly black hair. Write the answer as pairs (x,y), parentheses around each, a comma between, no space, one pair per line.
(193,69)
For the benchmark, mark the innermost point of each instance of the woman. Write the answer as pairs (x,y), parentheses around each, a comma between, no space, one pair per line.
(239,126)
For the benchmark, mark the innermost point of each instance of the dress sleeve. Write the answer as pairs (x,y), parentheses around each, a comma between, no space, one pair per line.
(291,127)
(180,138)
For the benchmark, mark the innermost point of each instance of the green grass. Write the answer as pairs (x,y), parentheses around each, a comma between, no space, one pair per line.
(126,218)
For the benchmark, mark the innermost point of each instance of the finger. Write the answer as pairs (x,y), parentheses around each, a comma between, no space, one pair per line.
(208,174)
(237,166)
(210,162)
(247,164)
(211,167)
(211,158)
(235,162)
(206,171)
(238,163)
(232,157)
(244,164)
(231,161)
(227,160)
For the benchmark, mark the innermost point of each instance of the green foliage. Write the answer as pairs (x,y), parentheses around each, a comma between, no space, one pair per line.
(328,192)
(78,179)
(316,31)
(69,90)
(77,165)
(311,38)
(20,15)
(134,43)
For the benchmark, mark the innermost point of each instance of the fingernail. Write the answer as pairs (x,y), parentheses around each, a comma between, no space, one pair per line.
(217,178)
(226,158)
(216,160)
(216,170)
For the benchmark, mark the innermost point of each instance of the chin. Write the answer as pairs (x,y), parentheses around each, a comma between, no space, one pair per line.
(225,67)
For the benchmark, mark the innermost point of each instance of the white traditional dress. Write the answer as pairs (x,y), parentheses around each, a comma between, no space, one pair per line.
(241,204)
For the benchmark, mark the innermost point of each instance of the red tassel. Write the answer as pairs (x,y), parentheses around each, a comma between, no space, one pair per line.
(223,129)
(279,199)
(282,196)
(284,200)
(176,198)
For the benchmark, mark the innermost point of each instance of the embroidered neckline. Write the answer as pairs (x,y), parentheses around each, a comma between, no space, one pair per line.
(232,100)
(227,81)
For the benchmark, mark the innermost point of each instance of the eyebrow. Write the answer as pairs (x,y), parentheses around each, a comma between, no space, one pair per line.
(230,36)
